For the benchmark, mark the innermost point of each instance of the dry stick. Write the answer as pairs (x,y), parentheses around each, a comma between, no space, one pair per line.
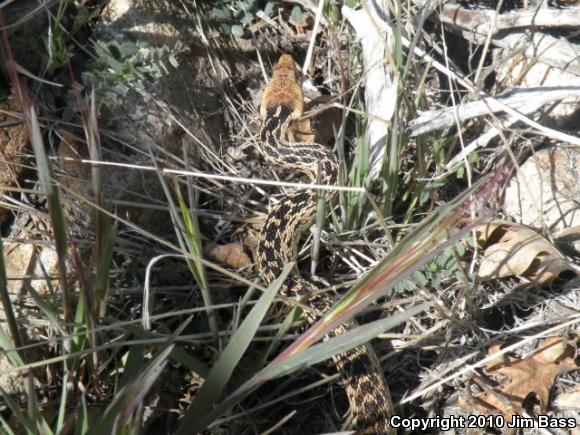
(487,44)
(282,421)
(379,75)
(306,65)
(222,177)
(477,22)
(525,100)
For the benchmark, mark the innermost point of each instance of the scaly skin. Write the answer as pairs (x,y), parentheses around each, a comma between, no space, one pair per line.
(368,395)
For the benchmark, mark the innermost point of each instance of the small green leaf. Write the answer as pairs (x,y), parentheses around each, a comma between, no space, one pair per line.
(420,278)
(332,13)
(141,43)
(296,17)
(269,8)
(237,31)
(128,49)
(173,61)
(222,14)
(114,50)
(247,18)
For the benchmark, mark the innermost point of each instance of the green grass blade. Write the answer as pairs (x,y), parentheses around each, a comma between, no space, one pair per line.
(6,303)
(290,319)
(133,364)
(127,399)
(222,370)
(178,354)
(79,336)
(7,343)
(82,423)
(337,345)
(63,408)
(34,413)
(50,188)
(7,346)
(313,355)
(6,429)
(181,356)
(189,225)
(104,264)
(193,237)
(261,360)
(46,309)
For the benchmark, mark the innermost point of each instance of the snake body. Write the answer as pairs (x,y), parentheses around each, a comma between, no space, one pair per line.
(282,103)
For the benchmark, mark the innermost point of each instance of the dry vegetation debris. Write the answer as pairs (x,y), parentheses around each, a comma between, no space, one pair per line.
(419,100)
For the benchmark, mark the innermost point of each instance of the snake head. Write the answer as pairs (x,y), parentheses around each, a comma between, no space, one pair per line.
(284,90)
(286,68)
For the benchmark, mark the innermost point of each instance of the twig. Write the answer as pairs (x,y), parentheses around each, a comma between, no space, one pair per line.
(525,100)
(477,24)
(308,59)
(376,39)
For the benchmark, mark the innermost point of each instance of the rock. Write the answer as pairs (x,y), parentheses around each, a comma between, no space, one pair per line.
(545,192)
(13,143)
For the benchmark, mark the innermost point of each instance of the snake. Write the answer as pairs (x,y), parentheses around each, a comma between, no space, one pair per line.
(283,103)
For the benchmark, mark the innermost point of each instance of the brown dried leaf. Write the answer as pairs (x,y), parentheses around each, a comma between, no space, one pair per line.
(519,378)
(322,125)
(231,254)
(515,250)
(302,131)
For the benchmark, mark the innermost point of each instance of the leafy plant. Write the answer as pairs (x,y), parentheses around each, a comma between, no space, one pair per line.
(233,16)
(129,64)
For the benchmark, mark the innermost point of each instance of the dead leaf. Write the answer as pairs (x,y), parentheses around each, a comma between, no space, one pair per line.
(519,378)
(321,125)
(515,250)
(231,254)
(302,131)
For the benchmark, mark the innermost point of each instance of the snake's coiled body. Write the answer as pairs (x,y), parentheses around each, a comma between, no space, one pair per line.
(282,103)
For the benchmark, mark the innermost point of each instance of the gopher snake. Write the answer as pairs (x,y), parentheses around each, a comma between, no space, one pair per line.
(282,103)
